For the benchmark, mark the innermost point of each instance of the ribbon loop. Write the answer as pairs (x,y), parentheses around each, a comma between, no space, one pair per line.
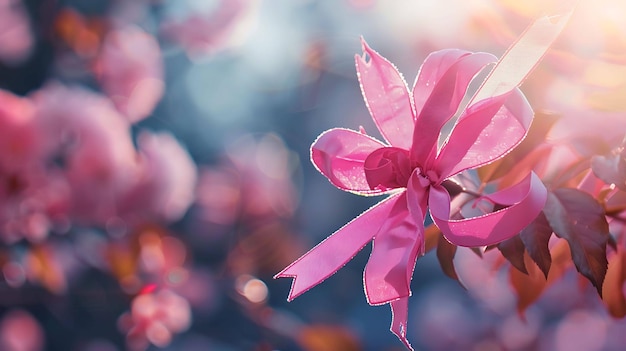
(386,96)
(339,154)
(526,200)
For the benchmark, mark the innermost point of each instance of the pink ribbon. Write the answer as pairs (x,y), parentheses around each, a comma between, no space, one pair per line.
(411,168)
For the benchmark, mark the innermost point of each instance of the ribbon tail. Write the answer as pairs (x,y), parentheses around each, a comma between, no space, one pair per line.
(400,240)
(522,57)
(334,252)
(525,200)
(399,317)
(389,270)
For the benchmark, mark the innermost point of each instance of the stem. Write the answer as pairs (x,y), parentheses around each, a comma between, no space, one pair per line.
(615,217)
(470,192)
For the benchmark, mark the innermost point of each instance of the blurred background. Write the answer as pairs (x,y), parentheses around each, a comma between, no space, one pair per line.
(154,173)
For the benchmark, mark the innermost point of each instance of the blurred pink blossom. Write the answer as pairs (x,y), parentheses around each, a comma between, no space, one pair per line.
(362,4)
(35,203)
(479,276)
(20,331)
(28,194)
(93,142)
(130,69)
(581,330)
(20,140)
(219,195)
(245,184)
(154,318)
(16,38)
(207,30)
(265,165)
(166,182)
(162,257)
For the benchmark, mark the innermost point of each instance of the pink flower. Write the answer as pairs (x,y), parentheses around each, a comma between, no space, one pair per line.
(20,140)
(16,38)
(154,318)
(20,331)
(263,166)
(243,186)
(205,30)
(415,172)
(130,70)
(166,181)
(93,140)
(31,197)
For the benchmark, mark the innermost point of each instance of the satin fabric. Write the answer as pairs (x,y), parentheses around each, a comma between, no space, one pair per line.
(410,167)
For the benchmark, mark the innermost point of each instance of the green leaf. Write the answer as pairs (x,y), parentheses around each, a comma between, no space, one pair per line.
(578,218)
(535,238)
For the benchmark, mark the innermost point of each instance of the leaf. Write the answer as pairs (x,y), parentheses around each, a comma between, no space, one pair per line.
(537,133)
(431,237)
(612,242)
(327,338)
(578,218)
(611,169)
(535,238)
(610,100)
(561,260)
(528,286)
(513,250)
(613,293)
(615,204)
(452,187)
(478,251)
(572,175)
(445,255)
(588,146)
(539,129)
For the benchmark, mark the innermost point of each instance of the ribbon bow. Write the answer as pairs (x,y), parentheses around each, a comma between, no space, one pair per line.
(411,168)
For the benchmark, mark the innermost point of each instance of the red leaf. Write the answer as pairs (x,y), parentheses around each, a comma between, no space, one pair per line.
(528,286)
(513,250)
(452,187)
(542,123)
(445,255)
(588,146)
(578,218)
(613,293)
(611,169)
(535,238)
(477,250)
(327,338)
(431,237)
(537,133)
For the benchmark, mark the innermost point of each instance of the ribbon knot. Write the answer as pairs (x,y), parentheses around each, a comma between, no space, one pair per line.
(388,168)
